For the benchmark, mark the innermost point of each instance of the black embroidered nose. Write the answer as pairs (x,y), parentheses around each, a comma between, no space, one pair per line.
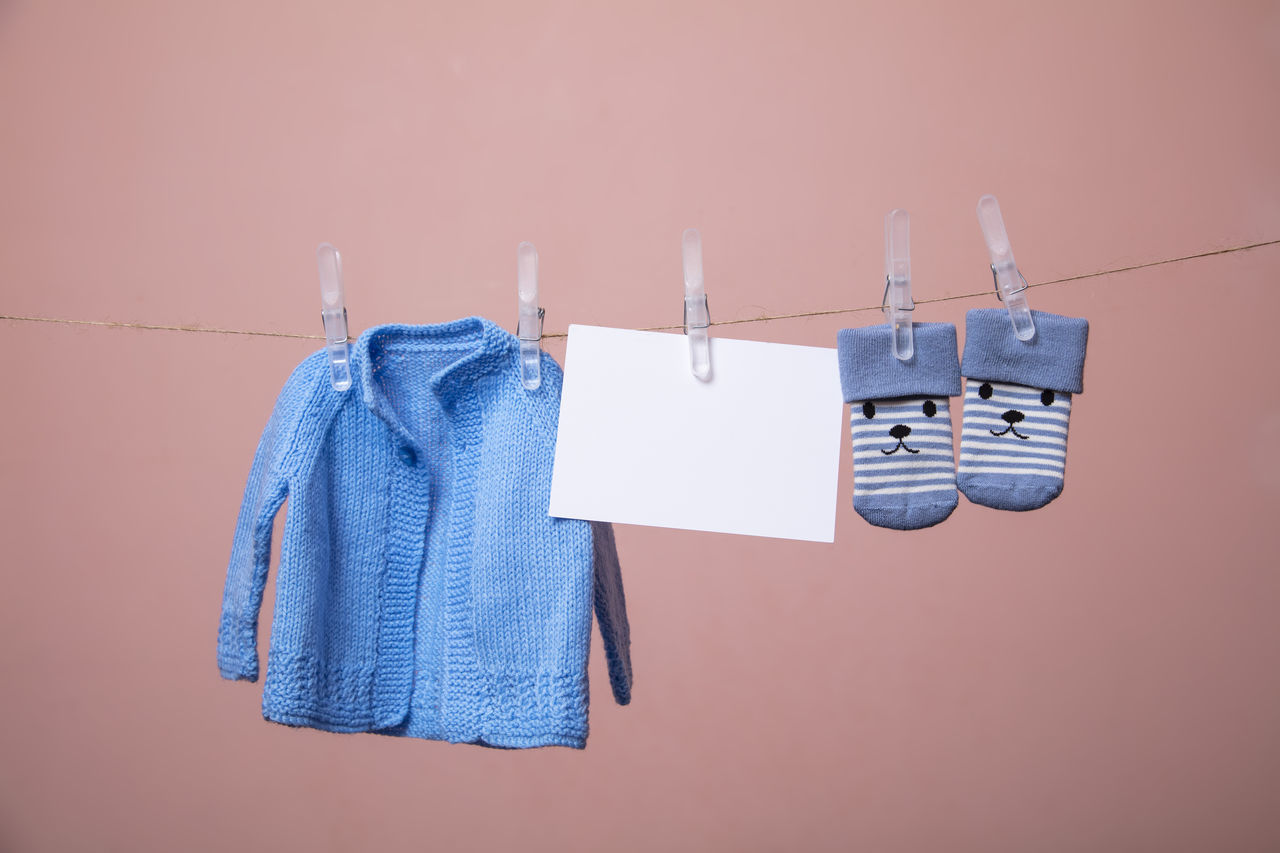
(900,431)
(1012,417)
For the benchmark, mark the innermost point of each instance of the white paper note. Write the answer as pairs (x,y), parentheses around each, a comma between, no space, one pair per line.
(756,450)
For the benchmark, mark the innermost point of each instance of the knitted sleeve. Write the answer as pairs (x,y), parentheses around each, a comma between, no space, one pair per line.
(251,546)
(611,610)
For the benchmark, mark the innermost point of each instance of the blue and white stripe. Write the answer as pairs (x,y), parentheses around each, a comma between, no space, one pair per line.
(1034,444)
(881,467)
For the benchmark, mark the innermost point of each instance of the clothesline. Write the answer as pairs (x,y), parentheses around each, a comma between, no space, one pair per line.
(761,319)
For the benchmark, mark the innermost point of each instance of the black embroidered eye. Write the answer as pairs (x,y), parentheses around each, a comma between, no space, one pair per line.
(868,410)
(930,408)
(984,390)
(1047,397)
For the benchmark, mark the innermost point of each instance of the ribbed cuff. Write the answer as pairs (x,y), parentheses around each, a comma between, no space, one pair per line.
(237,649)
(870,371)
(1052,359)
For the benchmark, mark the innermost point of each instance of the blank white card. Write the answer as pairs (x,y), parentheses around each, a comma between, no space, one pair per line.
(756,450)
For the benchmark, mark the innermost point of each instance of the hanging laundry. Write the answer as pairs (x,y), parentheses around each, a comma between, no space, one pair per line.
(1021,368)
(900,424)
(423,589)
(1018,395)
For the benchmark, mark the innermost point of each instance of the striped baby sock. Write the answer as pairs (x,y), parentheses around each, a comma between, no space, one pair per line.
(903,470)
(1013,447)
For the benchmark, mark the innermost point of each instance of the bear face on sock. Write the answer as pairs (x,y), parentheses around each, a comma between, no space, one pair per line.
(1013,446)
(1023,413)
(903,469)
(898,420)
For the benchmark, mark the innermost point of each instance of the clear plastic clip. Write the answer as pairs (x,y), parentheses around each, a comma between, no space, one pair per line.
(529,325)
(897,303)
(1009,282)
(333,312)
(697,312)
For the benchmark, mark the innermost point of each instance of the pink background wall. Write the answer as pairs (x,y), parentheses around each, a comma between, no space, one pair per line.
(1102,674)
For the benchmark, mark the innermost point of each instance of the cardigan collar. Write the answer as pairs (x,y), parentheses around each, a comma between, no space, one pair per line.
(483,347)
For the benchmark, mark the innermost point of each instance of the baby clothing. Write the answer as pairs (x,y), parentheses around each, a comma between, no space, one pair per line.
(900,423)
(422,589)
(1018,396)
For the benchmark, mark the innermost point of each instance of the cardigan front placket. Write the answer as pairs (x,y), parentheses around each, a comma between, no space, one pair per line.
(462,688)
(402,668)
(408,507)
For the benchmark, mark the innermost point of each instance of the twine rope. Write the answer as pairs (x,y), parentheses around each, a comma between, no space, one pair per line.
(764,318)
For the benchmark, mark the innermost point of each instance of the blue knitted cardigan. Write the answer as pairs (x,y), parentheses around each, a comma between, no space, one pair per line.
(422,589)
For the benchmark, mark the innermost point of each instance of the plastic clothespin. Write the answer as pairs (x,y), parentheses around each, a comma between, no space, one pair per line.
(333,311)
(1010,284)
(529,326)
(697,312)
(897,303)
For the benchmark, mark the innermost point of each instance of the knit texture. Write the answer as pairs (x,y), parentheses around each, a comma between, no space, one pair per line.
(1018,397)
(423,590)
(900,424)
(1053,358)
(870,371)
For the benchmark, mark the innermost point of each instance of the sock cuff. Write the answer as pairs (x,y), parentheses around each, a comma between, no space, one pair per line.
(870,371)
(1052,359)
